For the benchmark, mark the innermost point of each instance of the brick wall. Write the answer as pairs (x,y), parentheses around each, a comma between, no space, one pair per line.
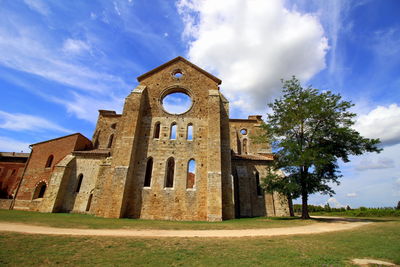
(37,172)
(11,168)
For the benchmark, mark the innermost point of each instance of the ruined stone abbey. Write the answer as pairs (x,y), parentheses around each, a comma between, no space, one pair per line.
(151,163)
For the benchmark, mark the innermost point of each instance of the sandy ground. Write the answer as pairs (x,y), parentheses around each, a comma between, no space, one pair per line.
(369,262)
(321,227)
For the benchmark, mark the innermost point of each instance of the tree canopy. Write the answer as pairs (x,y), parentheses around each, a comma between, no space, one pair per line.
(310,131)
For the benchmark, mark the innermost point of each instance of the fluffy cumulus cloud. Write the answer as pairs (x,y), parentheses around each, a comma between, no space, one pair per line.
(251,45)
(382,122)
(334,203)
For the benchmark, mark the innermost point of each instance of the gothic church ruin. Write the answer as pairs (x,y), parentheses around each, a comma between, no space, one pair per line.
(151,163)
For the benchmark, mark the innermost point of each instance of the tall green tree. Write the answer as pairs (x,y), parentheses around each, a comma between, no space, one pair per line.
(310,131)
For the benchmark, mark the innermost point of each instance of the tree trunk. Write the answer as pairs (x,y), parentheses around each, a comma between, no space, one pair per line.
(304,210)
(290,202)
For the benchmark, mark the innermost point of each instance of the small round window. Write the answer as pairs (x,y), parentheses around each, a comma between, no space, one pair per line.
(177,74)
(176,103)
(243,131)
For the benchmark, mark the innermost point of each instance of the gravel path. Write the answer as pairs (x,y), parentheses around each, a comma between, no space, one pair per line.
(321,227)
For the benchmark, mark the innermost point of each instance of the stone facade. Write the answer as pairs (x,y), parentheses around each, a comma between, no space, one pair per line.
(138,168)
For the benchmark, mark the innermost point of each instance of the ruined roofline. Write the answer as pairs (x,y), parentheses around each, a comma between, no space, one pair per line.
(93,152)
(65,136)
(14,155)
(259,157)
(179,58)
(108,113)
(242,120)
(251,118)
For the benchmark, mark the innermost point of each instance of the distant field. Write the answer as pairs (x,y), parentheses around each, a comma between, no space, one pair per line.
(361,213)
(66,220)
(379,240)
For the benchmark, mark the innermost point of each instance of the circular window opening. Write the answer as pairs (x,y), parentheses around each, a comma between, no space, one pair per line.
(177,74)
(176,103)
(243,131)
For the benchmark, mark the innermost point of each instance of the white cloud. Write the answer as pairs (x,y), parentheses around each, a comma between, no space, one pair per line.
(116,8)
(86,107)
(38,6)
(27,49)
(382,122)
(334,203)
(23,122)
(73,46)
(251,45)
(11,145)
(379,163)
(351,194)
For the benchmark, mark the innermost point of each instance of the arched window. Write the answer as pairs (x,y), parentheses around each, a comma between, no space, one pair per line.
(113,126)
(172,135)
(49,161)
(110,141)
(149,170)
(40,190)
(78,185)
(245,146)
(157,130)
(169,175)
(191,174)
(259,189)
(189,132)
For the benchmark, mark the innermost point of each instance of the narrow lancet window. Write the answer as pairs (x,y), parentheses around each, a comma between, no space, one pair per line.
(259,189)
(110,141)
(49,161)
(173,131)
(190,132)
(191,174)
(78,185)
(169,179)
(149,170)
(157,130)
(245,146)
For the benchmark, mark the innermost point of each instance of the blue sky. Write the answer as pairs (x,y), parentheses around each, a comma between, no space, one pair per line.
(61,61)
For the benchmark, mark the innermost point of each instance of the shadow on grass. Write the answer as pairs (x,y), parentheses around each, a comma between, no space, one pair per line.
(283,218)
(347,219)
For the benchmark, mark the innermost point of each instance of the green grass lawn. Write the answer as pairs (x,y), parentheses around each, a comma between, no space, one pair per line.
(380,240)
(67,220)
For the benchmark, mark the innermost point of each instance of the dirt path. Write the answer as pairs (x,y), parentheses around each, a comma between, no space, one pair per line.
(316,228)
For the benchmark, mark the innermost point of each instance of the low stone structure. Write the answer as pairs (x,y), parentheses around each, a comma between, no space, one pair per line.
(153,163)
(11,168)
